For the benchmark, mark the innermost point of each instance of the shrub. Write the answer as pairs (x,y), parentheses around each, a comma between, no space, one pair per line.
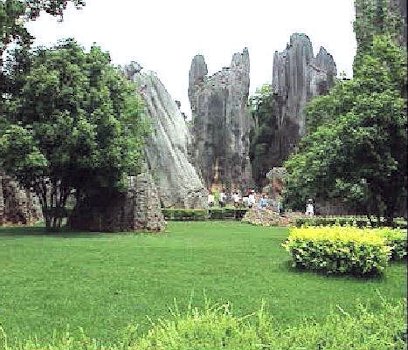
(359,221)
(185,214)
(338,249)
(397,241)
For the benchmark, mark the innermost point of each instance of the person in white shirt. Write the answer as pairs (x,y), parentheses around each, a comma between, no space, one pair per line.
(309,208)
(222,199)
(251,199)
(236,198)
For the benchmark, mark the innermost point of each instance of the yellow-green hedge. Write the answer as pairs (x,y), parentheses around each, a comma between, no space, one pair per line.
(339,249)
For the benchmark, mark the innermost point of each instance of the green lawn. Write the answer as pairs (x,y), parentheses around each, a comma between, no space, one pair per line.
(103,282)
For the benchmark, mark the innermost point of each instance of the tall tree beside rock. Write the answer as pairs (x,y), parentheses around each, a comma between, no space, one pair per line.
(221,122)
(18,205)
(166,147)
(356,152)
(75,126)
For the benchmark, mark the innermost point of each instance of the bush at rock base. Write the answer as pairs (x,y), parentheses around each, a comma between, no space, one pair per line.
(339,249)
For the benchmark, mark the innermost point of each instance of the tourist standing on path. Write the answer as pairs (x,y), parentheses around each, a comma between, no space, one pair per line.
(251,199)
(263,202)
(236,199)
(222,199)
(309,208)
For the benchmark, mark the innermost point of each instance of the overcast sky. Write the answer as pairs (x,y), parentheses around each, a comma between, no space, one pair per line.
(163,35)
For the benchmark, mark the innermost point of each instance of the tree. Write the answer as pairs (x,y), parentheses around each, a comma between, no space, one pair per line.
(14,13)
(13,16)
(357,146)
(73,126)
(263,135)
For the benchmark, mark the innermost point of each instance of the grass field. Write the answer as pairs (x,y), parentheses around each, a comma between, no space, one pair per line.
(103,282)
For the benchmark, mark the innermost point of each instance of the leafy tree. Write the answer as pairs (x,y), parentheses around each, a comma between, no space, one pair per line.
(74,126)
(263,135)
(14,14)
(357,146)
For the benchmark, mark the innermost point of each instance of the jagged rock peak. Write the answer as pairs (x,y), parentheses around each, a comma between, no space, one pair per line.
(221,122)
(239,58)
(198,70)
(177,181)
(325,61)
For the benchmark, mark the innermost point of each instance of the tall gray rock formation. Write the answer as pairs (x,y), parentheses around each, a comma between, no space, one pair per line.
(17,205)
(221,122)
(138,209)
(177,181)
(298,76)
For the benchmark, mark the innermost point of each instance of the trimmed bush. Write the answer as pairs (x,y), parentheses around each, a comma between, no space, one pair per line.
(339,249)
(217,328)
(359,221)
(185,214)
(397,241)
(202,214)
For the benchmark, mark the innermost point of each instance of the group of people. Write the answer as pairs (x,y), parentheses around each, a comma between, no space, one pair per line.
(250,200)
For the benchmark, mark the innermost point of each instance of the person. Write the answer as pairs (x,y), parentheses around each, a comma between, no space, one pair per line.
(245,201)
(222,199)
(236,198)
(263,202)
(210,199)
(251,199)
(309,208)
(279,207)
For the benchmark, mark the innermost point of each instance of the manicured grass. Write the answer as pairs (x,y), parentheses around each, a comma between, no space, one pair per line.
(103,282)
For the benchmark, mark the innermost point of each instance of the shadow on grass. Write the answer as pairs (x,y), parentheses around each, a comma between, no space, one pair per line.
(373,277)
(65,232)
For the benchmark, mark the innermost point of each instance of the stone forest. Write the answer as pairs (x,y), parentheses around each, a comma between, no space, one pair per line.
(312,163)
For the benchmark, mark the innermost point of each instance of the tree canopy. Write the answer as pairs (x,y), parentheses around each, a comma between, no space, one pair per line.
(73,124)
(357,141)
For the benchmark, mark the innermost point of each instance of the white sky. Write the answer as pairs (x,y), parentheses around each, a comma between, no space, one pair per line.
(164,35)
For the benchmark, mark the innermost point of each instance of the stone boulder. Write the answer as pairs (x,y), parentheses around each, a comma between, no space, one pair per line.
(137,209)
(178,183)
(221,122)
(17,205)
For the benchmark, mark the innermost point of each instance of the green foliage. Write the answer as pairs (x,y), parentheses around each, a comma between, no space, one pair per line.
(218,327)
(359,221)
(202,214)
(185,214)
(339,249)
(263,135)
(13,14)
(397,240)
(75,125)
(375,17)
(355,151)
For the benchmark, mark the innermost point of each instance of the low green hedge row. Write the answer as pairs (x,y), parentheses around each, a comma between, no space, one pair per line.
(202,214)
(359,221)
(216,328)
(341,249)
